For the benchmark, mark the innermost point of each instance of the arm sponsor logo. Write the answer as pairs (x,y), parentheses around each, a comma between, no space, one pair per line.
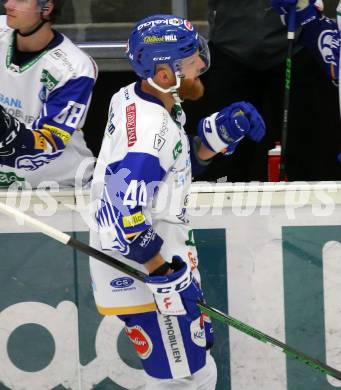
(62,134)
(131,124)
(133,220)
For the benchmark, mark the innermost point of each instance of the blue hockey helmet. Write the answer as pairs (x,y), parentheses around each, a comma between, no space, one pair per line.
(164,39)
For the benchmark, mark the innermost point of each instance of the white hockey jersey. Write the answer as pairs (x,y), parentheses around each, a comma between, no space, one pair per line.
(49,94)
(142,179)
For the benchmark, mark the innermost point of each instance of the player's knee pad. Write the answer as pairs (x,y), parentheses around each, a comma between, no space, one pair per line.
(168,346)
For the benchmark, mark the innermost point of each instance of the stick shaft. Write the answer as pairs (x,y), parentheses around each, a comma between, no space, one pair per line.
(214,313)
(68,240)
(104,258)
(35,223)
(249,330)
(286,102)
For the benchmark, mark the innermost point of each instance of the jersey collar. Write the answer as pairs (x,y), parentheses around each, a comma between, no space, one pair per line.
(58,38)
(146,96)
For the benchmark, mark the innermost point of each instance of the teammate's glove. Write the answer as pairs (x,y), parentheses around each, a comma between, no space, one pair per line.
(176,293)
(223,130)
(306,10)
(10,128)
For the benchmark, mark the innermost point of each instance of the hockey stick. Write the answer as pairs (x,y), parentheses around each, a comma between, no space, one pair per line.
(286,103)
(214,313)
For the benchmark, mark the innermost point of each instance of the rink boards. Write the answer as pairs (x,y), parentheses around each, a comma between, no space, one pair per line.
(270,256)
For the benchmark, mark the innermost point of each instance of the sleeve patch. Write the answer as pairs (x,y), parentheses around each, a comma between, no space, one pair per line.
(62,134)
(133,220)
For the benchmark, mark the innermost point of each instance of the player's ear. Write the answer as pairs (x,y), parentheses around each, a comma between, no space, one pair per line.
(47,9)
(164,75)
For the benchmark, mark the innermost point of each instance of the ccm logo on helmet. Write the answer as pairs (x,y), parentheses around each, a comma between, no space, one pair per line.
(161,58)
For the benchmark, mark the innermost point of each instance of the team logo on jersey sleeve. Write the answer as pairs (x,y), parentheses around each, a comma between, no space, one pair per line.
(141,341)
(30,163)
(326,44)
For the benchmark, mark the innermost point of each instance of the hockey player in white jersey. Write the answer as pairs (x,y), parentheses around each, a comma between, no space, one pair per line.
(140,192)
(45,90)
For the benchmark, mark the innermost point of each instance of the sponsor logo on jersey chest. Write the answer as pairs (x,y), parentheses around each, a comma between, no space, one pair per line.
(131,124)
(48,80)
(158,142)
(10,101)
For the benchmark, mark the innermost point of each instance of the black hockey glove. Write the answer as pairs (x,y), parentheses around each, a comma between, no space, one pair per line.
(10,128)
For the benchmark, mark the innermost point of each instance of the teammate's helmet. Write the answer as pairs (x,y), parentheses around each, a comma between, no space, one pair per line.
(164,39)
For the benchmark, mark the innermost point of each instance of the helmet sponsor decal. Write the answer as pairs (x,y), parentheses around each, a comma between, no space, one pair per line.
(160,39)
(156,22)
(188,25)
(175,22)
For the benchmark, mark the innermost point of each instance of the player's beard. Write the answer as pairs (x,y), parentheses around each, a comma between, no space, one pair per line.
(191,89)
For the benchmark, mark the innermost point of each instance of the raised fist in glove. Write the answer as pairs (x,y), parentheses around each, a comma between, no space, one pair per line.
(306,10)
(176,293)
(10,128)
(223,130)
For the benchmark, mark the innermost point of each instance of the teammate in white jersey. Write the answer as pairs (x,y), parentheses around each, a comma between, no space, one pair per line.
(140,192)
(45,90)
(320,34)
